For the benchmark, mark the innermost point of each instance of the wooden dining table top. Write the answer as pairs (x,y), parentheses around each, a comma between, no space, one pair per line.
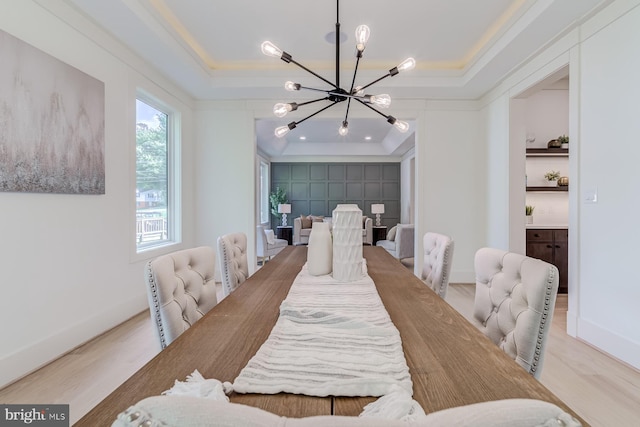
(450,361)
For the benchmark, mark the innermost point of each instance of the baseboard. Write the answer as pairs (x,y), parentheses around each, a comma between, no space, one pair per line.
(28,359)
(613,344)
(462,277)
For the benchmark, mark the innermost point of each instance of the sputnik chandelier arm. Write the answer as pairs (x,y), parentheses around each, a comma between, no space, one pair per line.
(398,124)
(336,94)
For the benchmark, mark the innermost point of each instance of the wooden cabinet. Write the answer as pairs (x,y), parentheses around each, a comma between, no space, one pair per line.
(551,245)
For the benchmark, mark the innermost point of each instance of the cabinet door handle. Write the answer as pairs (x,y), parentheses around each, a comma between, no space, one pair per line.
(558,246)
(549,246)
(536,235)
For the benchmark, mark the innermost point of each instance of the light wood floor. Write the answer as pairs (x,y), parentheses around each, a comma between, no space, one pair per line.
(602,390)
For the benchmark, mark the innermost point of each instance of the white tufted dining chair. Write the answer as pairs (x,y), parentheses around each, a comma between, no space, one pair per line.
(234,268)
(181,289)
(189,411)
(438,256)
(514,302)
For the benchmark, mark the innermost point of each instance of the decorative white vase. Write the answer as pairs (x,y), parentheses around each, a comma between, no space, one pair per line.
(529,219)
(320,249)
(347,243)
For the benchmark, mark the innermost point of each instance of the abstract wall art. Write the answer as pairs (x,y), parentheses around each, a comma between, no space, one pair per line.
(51,123)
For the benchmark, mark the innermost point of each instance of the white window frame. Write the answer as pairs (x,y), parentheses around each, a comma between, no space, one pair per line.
(174,196)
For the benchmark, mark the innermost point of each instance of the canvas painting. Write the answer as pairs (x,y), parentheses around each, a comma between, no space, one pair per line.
(51,123)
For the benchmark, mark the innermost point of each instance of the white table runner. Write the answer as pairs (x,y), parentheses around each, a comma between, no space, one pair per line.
(330,339)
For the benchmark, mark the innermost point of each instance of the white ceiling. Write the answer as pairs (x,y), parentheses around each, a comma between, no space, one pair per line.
(463,48)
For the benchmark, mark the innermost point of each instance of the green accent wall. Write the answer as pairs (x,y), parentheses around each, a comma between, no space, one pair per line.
(317,188)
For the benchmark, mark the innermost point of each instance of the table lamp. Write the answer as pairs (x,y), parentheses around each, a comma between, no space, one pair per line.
(377,209)
(284,209)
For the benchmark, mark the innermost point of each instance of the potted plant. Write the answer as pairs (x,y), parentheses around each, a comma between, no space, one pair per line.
(552,178)
(528,209)
(276,198)
(564,141)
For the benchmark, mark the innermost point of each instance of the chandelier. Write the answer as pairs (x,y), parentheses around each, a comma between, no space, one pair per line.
(337,94)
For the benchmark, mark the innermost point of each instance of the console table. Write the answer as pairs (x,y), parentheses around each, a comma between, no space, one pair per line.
(285,232)
(379,233)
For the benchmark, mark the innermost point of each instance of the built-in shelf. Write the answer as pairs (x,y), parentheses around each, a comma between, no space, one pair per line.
(558,188)
(547,152)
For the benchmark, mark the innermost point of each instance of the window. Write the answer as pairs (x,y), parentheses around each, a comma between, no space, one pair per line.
(155,225)
(264,192)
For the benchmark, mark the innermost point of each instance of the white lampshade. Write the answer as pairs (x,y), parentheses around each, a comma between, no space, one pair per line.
(284,208)
(377,208)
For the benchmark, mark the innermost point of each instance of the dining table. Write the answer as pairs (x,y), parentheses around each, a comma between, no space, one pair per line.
(450,361)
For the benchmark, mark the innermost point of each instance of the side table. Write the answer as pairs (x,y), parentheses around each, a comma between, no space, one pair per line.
(285,233)
(379,233)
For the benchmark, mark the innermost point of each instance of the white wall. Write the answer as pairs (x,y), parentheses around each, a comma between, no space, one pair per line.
(450,189)
(603,124)
(69,269)
(547,116)
(407,192)
(517,130)
(609,153)
(226,173)
(497,175)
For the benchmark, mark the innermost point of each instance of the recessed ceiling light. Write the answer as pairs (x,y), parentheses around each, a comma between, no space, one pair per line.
(302,138)
(367,138)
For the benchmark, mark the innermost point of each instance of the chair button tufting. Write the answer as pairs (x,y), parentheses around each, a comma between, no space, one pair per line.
(561,422)
(133,417)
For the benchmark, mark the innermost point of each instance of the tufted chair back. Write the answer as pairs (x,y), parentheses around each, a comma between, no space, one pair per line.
(234,268)
(438,256)
(181,289)
(515,298)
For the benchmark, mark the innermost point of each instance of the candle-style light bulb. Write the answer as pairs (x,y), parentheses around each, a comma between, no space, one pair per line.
(406,65)
(383,100)
(344,129)
(282,131)
(401,126)
(362,36)
(271,49)
(291,86)
(281,109)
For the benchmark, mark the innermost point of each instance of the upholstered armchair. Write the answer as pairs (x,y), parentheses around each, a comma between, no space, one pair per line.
(181,289)
(267,244)
(367,231)
(514,303)
(399,242)
(302,230)
(438,257)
